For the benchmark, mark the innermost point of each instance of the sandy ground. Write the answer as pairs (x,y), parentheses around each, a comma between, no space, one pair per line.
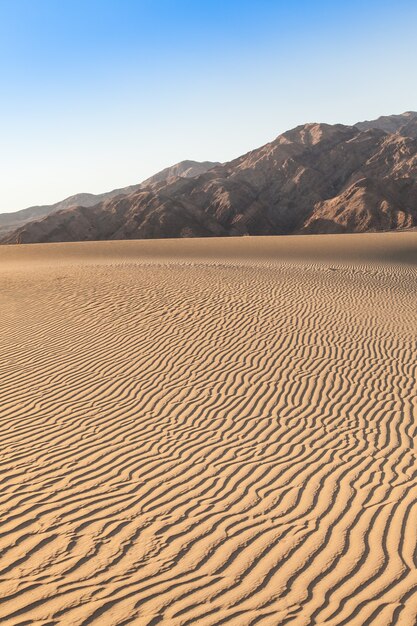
(209,432)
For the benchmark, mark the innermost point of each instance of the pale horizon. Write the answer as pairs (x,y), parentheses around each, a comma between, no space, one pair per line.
(102,95)
(123,183)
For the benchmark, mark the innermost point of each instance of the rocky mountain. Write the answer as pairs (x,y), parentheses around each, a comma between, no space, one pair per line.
(400,124)
(316,178)
(185,169)
(12,221)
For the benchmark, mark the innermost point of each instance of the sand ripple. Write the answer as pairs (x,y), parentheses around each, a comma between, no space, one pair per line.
(208,443)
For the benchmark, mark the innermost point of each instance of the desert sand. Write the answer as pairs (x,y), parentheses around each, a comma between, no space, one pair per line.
(218,431)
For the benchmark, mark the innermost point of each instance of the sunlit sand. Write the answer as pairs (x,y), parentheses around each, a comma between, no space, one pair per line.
(217,431)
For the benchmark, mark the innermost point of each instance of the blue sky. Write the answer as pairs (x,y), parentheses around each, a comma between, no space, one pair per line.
(98,94)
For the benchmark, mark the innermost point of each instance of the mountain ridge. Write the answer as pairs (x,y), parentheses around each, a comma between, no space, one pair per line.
(11,220)
(315,178)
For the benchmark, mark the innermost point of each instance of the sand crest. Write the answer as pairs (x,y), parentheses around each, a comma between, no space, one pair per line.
(209,432)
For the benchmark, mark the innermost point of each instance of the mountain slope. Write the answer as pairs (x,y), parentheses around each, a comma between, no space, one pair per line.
(315,178)
(12,221)
(390,123)
(185,169)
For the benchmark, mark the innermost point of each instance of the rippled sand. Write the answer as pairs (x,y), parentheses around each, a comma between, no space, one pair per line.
(209,432)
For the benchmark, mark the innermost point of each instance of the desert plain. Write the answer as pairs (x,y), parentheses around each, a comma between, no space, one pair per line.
(218,431)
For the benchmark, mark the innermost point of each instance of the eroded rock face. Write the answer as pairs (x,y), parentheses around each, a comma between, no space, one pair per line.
(316,178)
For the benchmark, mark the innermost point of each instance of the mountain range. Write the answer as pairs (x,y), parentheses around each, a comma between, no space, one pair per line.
(12,221)
(315,178)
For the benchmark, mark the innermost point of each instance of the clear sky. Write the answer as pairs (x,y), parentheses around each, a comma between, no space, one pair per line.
(98,94)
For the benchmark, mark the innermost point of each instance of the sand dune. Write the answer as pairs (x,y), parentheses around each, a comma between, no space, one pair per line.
(209,432)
